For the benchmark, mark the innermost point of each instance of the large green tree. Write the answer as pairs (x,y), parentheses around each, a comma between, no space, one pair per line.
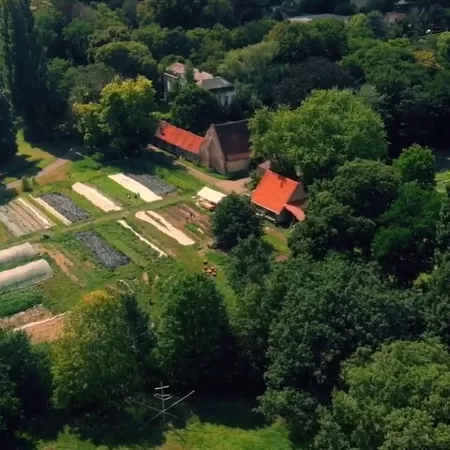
(333,308)
(103,353)
(128,58)
(23,62)
(122,120)
(368,187)
(25,385)
(195,109)
(405,244)
(418,164)
(195,347)
(394,398)
(235,219)
(249,262)
(8,144)
(347,129)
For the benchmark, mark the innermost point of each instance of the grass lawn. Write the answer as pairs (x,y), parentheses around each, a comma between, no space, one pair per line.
(29,160)
(208,425)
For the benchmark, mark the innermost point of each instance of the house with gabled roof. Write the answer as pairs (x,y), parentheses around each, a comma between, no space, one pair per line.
(178,141)
(226,147)
(175,77)
(279,199)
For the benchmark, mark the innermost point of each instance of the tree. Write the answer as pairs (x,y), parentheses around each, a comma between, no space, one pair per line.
(333,308)
(443,47)
(417,164)
(102,354)
(123,119)
(128,58)
(195,109)
(218,11)
(249,262)
(8,144)
(300,41)
(49,26)
(394,398)
(88,82)
(235,220)
(23,64)
(443,226)
(405,243)
(331,226)
(24,384)
(314,73)
(347,129)
(195,347)
(368,187)
(76,36)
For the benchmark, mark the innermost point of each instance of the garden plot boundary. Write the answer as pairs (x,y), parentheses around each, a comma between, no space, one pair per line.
(155,184)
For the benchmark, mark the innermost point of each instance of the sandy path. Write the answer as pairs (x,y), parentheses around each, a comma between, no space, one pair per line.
(95,197)
(45,221)
(133,186)
(141,238)
(52,210)
(164,226)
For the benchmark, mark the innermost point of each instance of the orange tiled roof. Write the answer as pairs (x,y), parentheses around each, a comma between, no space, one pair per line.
(274,191)
(183,139)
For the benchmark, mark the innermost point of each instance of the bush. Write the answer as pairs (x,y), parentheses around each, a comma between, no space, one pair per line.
(27,184)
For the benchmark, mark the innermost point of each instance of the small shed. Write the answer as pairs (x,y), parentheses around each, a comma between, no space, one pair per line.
(209,198)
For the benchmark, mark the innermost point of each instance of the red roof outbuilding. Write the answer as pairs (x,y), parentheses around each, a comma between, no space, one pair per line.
(274,193)
(178,137)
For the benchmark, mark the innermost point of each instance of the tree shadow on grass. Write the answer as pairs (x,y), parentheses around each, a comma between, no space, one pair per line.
(230,412)
(111,430)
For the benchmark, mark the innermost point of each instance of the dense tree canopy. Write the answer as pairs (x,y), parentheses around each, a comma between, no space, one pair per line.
(123,118)
(347,129)
(102,354)
(235,219)
(417,164)
(394,398)
(195,109)
(195,344)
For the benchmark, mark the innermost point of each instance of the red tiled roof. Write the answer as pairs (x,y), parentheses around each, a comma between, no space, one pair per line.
(274,191)
(180,138)
(180,69)
(298,212)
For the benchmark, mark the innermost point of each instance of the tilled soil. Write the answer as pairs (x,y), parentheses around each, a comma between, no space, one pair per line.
(65,206)
(109,257)
(155,184)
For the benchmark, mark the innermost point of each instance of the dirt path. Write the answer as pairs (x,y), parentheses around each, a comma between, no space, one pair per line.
(228,186)
(71,155)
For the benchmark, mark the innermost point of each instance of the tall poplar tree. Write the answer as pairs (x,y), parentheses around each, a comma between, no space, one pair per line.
(23,61)
(8,144)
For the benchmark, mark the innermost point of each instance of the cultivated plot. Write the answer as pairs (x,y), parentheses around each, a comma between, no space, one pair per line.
(25,276)
(65,207)
(183,214)
(141,238)
(40,324)
(20,217)
(164,226)
(135,187)
(108,257)
(155,184)
(95,197)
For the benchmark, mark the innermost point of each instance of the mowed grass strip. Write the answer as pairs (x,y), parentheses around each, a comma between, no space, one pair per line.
(116,192)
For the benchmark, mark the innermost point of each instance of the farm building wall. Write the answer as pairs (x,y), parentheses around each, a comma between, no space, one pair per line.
(211,155)
(176,150)
(240,165)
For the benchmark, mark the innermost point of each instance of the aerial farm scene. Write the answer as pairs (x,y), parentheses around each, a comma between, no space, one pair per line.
(224,225)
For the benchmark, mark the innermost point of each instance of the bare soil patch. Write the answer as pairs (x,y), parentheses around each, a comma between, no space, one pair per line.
(183,214)
(164,226)
(64,263)
(38,323)
(96,197)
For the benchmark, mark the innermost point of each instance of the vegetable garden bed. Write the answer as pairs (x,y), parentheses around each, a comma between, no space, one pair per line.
(109,257)
(155,184)
(65,206)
